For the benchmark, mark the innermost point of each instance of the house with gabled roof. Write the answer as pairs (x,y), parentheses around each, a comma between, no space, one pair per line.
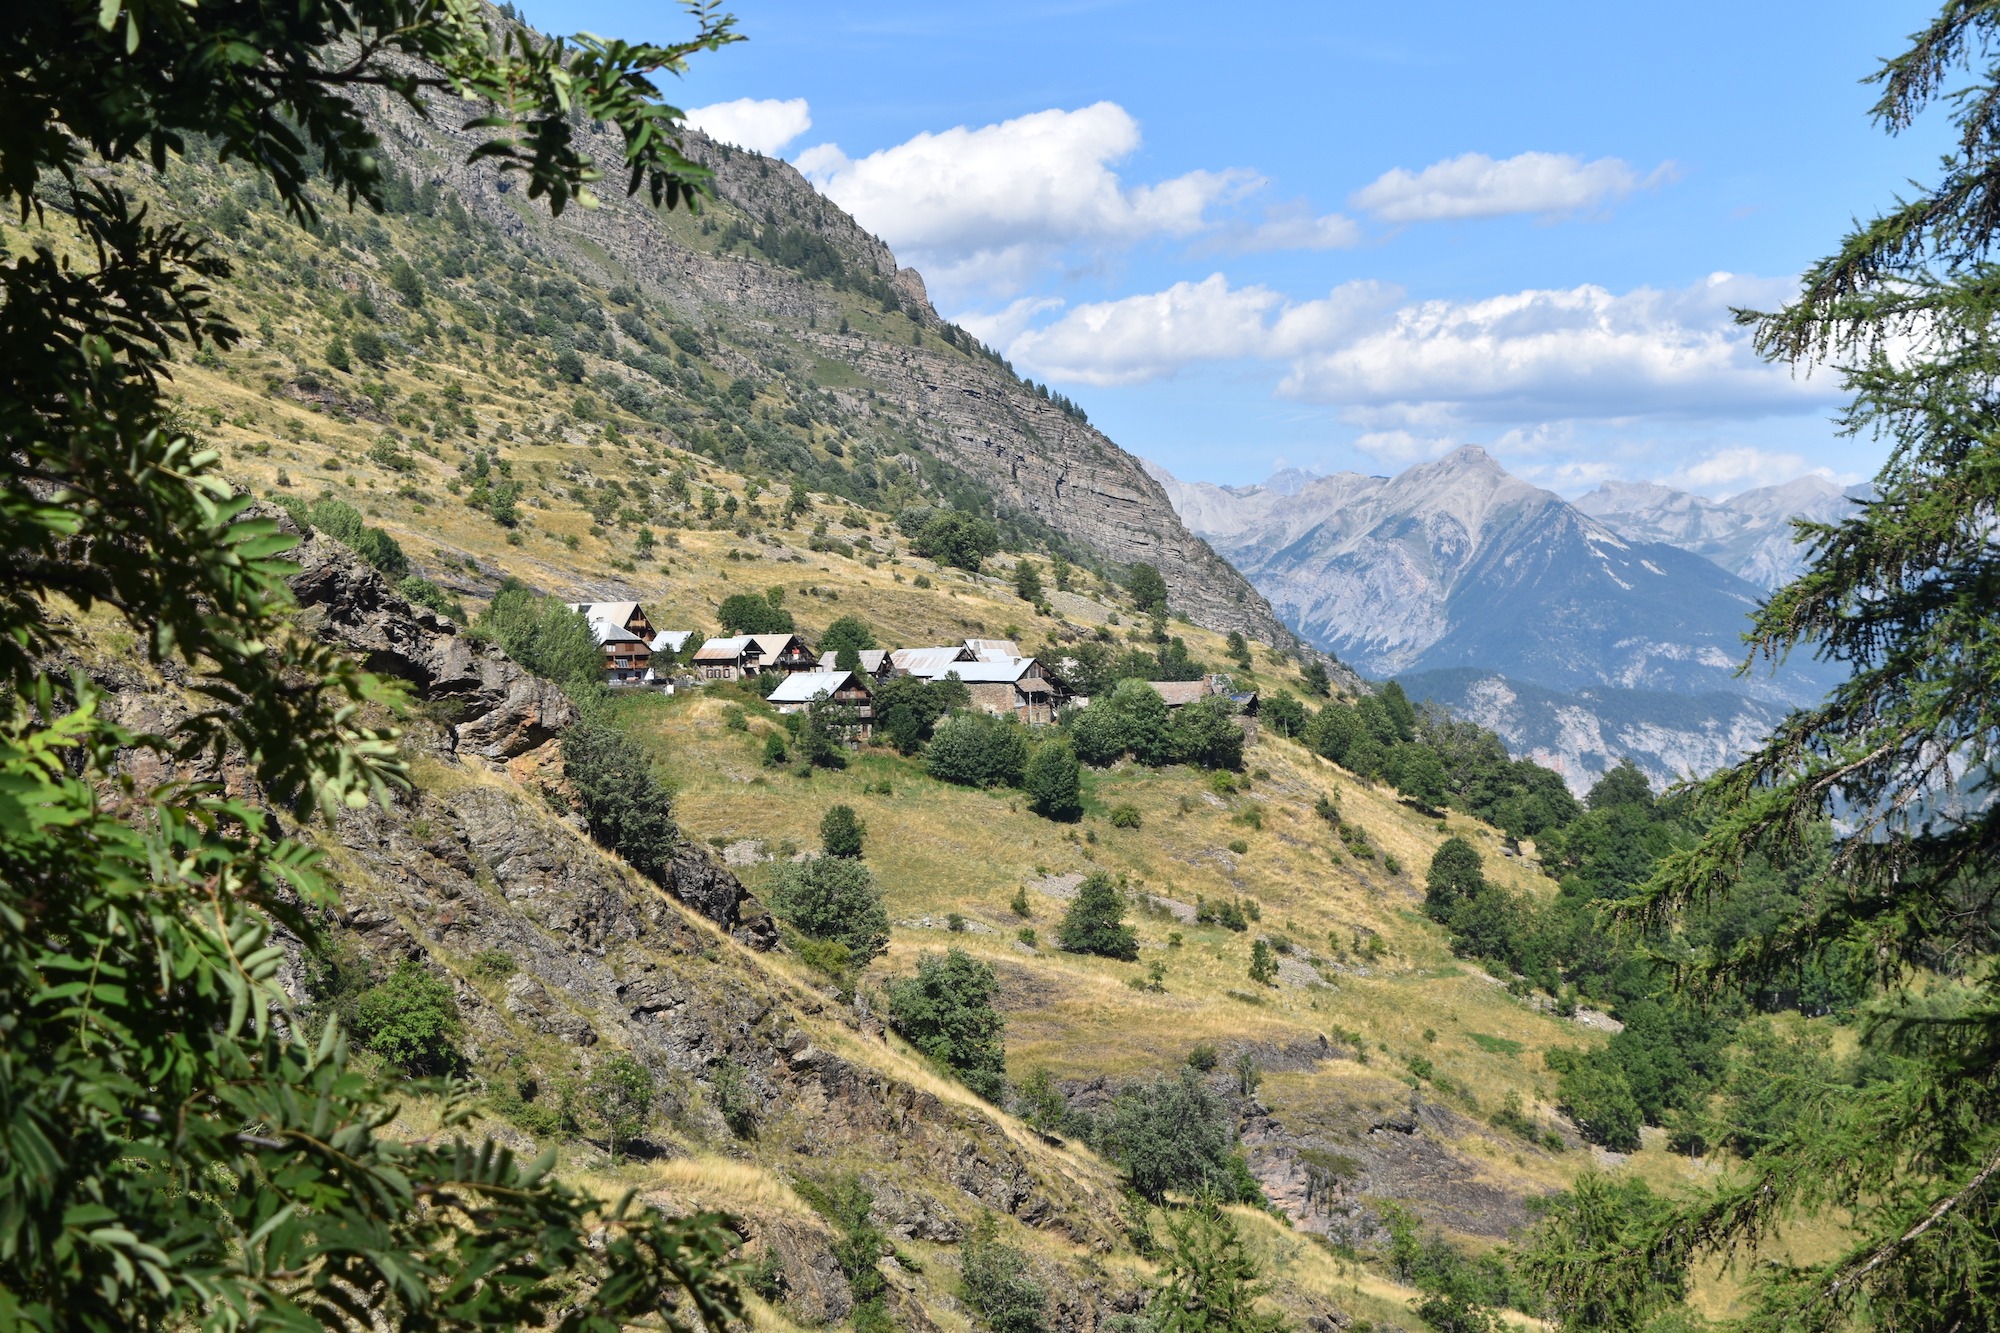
(743,655)
(628,616)
(803,691)
(928,663)
(783,652)
(875,662)
(623,635)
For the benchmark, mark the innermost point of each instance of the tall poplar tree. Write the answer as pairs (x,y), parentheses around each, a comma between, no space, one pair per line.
(1906,593)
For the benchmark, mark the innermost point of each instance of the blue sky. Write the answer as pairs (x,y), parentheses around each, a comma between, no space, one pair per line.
(1351,236)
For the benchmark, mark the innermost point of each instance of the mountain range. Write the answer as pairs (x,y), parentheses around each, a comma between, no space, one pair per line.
(1580,638)
(1749,534)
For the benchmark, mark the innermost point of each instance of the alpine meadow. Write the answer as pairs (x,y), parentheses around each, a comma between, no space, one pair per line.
(578,756)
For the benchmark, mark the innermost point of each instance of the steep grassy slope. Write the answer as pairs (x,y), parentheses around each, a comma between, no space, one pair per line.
(470,443)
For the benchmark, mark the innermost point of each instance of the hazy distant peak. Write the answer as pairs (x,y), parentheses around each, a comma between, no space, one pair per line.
(1288,481)
(1810,492)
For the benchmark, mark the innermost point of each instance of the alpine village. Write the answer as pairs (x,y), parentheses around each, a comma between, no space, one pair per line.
(580,758)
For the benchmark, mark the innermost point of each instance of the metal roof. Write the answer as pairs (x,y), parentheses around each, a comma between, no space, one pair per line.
(871,659)
(929,662)
(802,687)
(988,672)
(722,650)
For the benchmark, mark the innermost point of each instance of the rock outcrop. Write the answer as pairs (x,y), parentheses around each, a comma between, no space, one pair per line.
(501,709)
(1036,459)
(493,708)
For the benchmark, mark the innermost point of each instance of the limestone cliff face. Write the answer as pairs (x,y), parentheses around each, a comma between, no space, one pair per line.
(1035,459)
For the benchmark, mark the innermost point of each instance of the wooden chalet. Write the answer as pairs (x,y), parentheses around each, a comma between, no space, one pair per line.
(801,691)
(744,655)
(623,634)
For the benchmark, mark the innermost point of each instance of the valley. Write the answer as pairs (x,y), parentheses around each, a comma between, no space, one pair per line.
(925,1001)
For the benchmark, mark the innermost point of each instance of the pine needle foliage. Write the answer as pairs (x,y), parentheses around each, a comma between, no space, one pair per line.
(1906,593)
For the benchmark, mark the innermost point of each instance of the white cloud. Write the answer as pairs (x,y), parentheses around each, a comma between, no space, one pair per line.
(763,125)
(1150,336)
(1402,447)
(1541,355)
(1476,186)
(1291,226)
(1741,467)
(998,201)
(1001,327)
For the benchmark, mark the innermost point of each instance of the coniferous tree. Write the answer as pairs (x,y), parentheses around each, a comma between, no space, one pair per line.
(1905,593)
(1027,580)
(1212,1282)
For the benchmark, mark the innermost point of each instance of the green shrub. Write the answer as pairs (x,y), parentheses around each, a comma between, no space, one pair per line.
(1205,734)
(1595,1095)
(952,538)
(1263,966)
(1125,816)
(997,1284)
(1095,921)
(1202,1057)
(494,963)
(907,709)
(833,898)
(624,805)
(422,592)
(1239,846)
(751,613)
(846,1203)
(619,1095)
(977,750)
(1173,1134)
(946,1011)
(1054,782)
(735,1100)
(841,832)
(411,1020)
(546,637)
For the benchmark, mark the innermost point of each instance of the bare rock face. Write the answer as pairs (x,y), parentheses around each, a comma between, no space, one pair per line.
(503,709)
(1035,458)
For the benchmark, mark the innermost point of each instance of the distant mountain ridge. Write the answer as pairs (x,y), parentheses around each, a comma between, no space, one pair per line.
(1750,534)
(1580,640)
(1457,563)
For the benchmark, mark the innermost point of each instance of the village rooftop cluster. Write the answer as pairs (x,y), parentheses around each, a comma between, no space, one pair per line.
(999,677)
